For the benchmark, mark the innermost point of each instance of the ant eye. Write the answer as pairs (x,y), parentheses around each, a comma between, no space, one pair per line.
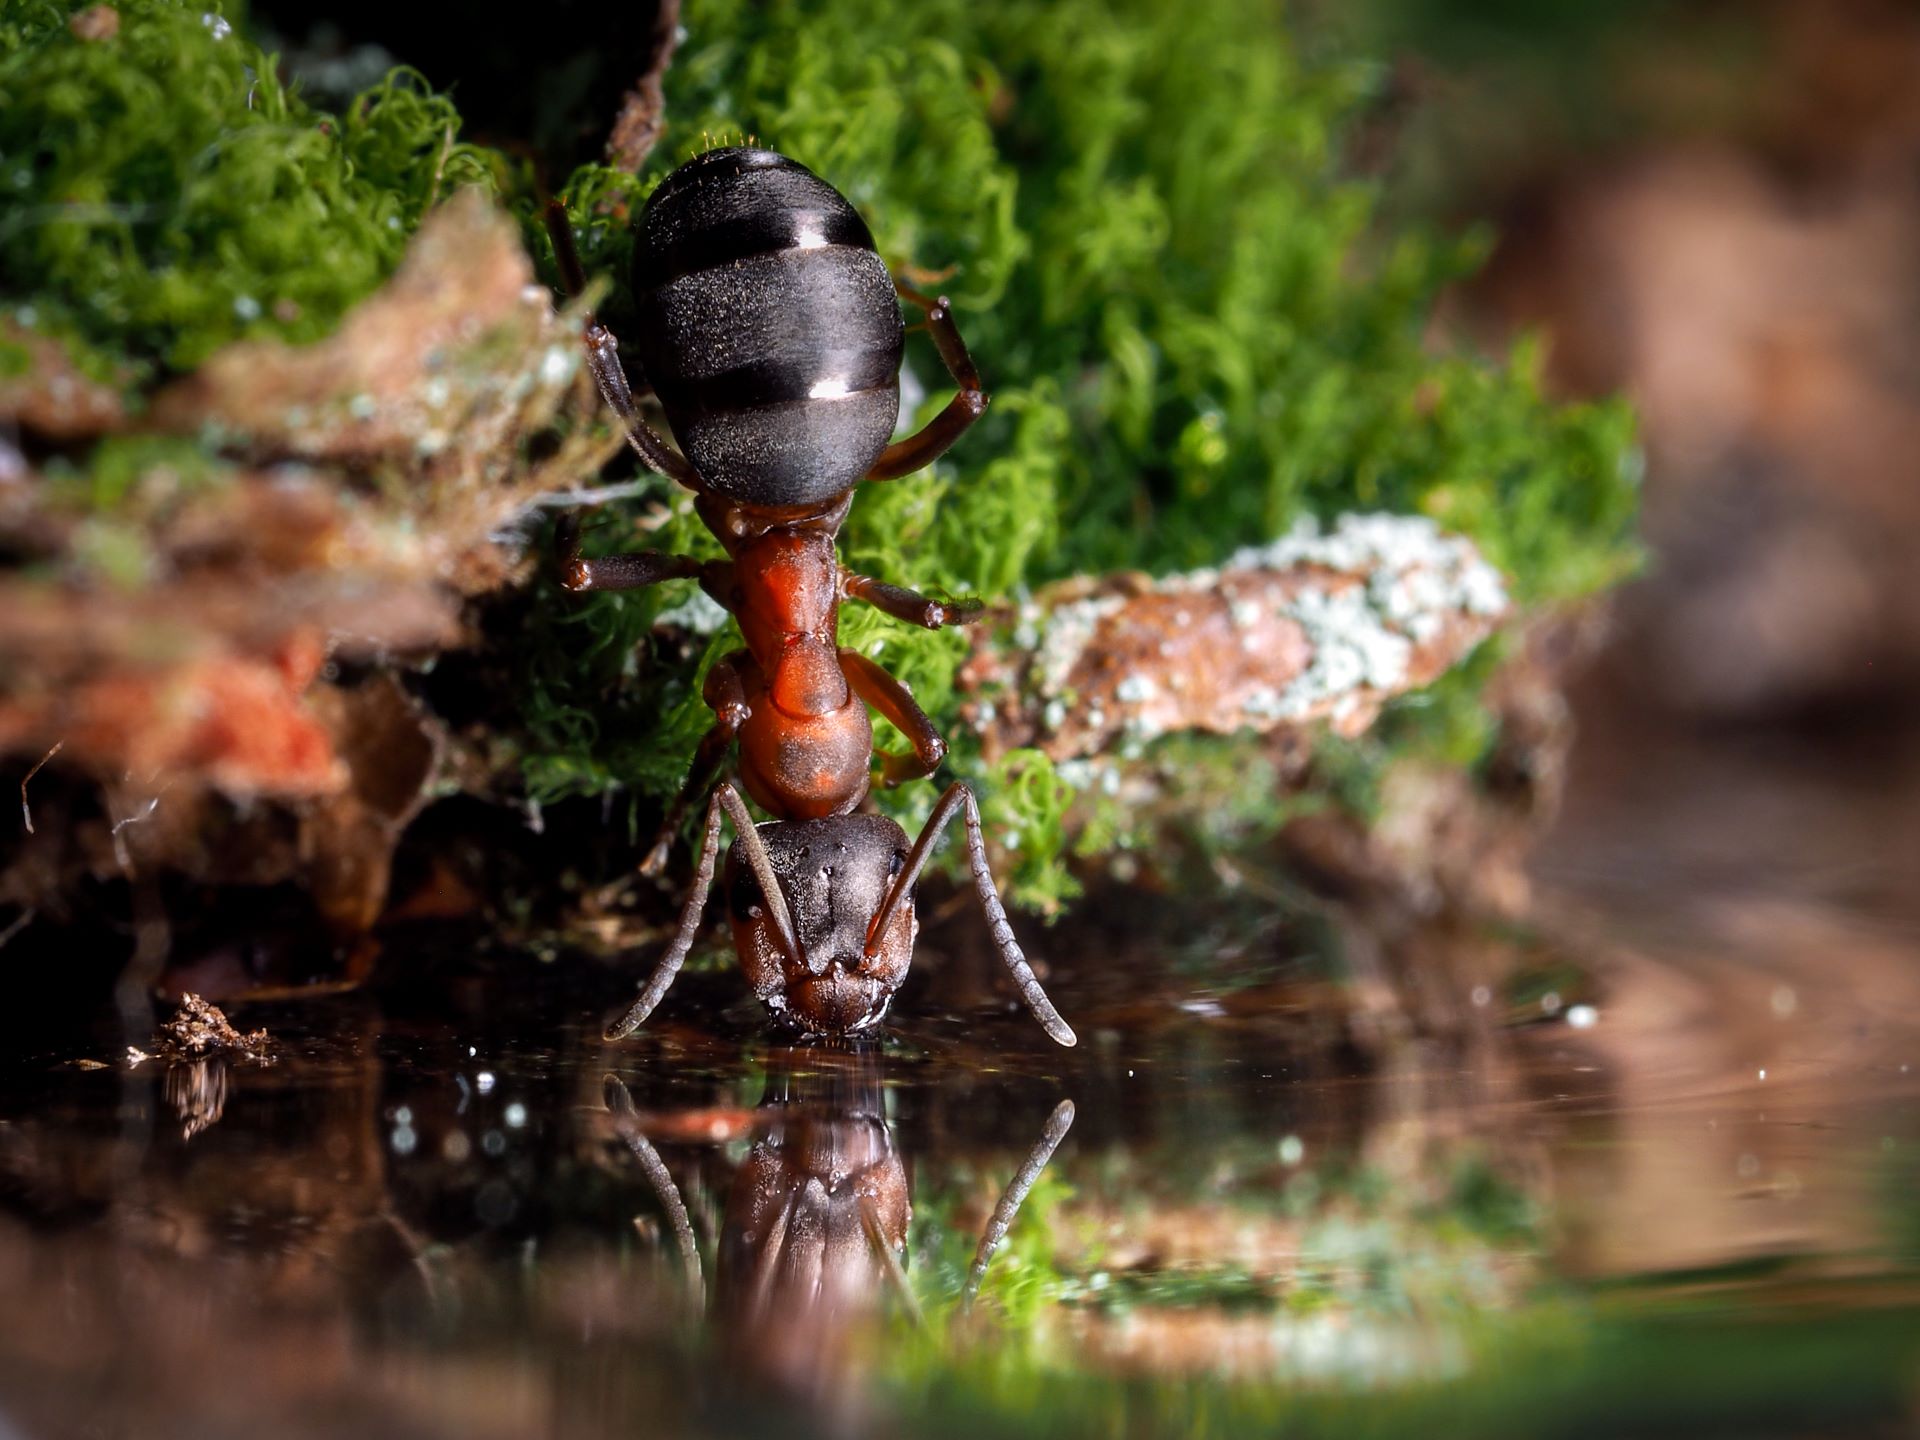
(896,864)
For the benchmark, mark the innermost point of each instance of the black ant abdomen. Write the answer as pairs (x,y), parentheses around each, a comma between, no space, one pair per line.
(769,328)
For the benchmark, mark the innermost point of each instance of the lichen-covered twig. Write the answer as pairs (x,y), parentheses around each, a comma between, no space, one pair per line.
(643,113)
(26,808)
(1319,625)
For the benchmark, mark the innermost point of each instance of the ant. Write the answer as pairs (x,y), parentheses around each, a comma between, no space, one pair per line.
(814,1229)
(770,332)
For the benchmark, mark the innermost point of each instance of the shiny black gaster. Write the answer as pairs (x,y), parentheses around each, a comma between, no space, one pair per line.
(769,327)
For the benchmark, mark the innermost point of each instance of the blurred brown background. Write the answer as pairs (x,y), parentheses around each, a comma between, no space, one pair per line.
(1716,209)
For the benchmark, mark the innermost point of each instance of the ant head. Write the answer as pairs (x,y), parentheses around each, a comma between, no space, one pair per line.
(834,874)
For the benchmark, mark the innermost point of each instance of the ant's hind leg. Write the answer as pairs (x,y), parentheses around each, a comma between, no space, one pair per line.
(603,359)
(896,704)
(726,693)
(919,450)
(910,605)
(958,797)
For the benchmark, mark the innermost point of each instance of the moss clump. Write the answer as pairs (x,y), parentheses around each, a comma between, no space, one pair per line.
(163,193)
(1192,326)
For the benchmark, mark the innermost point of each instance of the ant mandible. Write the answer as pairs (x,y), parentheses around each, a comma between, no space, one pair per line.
(770,332)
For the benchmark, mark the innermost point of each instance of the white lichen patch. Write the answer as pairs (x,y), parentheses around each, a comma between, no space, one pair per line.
(1063,639)
(1415,581)
(1354,648)
(1320,624)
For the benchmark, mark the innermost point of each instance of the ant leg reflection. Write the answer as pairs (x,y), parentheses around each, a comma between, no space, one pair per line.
(875,1226)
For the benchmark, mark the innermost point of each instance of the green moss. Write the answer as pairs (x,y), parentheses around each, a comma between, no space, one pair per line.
(134,475)
(164,193)
(1192,328)
(1193,325)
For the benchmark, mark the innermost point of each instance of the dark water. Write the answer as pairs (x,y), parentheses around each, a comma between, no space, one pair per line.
(1679,1197)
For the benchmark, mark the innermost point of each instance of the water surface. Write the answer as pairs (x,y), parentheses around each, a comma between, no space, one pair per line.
(1681,1195)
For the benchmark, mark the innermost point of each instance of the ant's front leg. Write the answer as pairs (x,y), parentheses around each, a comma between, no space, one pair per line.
(896,704)
(903,457)
(726,695)
(909,605)
(957,798)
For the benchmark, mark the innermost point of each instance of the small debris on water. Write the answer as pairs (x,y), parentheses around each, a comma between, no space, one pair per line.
(199,1029)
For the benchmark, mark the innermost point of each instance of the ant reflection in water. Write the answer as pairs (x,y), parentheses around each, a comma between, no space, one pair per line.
(815,1225)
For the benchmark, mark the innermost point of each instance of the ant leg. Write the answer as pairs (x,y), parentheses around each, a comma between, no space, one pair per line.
(724,799)
(916,452)
(957,797)
(1055,1130)
(910,605)
(896,703)
(619,1102)
(633,571)
(726,695)
(603,359)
